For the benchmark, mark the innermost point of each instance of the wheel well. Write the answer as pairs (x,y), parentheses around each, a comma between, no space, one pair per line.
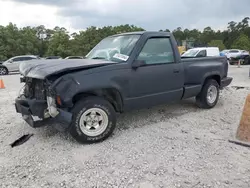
(214,77)
(110,94)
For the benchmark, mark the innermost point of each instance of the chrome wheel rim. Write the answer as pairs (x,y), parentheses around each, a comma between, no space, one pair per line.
(94,122)
(2,71)
(212,94)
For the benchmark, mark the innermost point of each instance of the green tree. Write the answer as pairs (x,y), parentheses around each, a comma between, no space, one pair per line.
(217,43)
(59,43)
(20,41)
(243,42)
(179,35)
(86,40)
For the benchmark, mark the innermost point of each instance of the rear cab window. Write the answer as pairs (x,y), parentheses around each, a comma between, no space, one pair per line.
(202,53)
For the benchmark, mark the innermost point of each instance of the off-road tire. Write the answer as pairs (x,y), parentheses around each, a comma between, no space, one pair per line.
(82,106)
(201,98)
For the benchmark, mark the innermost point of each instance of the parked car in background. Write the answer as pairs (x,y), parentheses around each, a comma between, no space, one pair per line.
(234,53)
(12,64)
(53,57)
(74,57)
(201,52)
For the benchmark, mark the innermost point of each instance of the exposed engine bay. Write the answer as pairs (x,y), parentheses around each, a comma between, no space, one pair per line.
(34,88)
(38,89)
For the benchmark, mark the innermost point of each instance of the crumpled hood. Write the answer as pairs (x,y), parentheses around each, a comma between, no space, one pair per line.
(41,69)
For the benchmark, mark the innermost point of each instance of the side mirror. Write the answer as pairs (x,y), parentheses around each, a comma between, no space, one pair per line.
(138,63)
(10,61)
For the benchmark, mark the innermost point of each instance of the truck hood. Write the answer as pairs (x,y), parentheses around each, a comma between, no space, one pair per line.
(41,69)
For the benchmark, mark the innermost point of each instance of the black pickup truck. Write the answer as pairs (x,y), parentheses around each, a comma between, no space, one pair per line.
(123,72)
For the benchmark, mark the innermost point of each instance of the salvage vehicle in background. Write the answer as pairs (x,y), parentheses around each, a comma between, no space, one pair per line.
(245,60)
(234,53)
(123,72)
(12,64)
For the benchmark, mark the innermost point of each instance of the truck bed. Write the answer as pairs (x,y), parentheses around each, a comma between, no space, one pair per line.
(196,70)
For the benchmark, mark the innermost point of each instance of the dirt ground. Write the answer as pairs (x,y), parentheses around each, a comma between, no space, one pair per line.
(175,145)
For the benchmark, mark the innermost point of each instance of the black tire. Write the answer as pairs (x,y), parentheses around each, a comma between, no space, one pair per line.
(247,61)
(3,70)
(83,106)
(201,99)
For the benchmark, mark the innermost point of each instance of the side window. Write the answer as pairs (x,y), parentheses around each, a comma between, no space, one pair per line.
(24,58)
(202,53)
(157,51)
(233,51)
(28,58)
(16,59)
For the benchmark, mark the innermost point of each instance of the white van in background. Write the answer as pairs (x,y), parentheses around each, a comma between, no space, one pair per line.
(202,52)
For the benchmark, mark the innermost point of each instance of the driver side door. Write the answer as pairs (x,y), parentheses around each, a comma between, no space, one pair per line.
(160,80)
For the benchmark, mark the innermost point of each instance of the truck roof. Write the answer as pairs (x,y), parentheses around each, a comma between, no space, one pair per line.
(142,32)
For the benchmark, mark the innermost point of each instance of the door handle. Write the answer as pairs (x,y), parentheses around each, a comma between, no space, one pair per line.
(176,71)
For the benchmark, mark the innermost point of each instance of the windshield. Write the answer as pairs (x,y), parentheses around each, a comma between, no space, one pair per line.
(190,53)
(115,48)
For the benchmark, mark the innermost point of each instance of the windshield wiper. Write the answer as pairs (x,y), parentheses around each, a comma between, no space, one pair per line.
(98,58)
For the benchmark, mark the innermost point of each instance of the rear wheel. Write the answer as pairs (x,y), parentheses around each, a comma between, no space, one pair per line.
(247,61)
(3,71)
(94,120)
(209,95)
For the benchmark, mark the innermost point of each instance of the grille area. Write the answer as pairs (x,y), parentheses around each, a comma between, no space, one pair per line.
(34,89)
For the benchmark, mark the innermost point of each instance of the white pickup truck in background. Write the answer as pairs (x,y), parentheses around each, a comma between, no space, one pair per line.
(202,52)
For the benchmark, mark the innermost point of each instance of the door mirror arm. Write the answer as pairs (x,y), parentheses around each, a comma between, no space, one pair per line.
(138,63)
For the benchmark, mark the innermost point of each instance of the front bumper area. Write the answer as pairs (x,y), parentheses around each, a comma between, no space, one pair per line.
(226,81)
(32,110)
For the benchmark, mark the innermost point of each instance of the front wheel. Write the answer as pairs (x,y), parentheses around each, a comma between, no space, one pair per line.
(94,120)
(209,95)
(3,71)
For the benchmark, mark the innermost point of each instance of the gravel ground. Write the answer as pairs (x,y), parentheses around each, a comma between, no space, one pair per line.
(169,146)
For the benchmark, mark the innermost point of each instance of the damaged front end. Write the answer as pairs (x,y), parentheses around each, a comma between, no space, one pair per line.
(38,106)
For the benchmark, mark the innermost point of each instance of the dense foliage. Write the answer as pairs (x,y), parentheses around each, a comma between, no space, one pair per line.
(28,40)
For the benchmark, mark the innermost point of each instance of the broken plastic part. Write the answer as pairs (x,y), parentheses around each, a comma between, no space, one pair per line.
(52,107)
(21,140)
(46,114)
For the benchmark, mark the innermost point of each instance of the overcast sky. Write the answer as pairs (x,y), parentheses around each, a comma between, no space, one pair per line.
(75,15)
